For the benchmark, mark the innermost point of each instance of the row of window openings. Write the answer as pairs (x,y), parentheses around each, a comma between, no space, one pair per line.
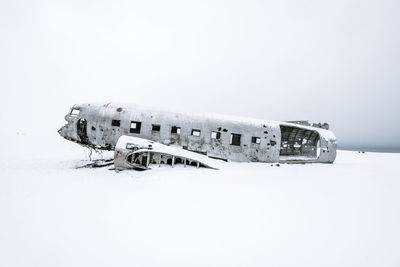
(136,126)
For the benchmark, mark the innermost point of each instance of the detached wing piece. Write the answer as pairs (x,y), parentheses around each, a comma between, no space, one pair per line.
(140,154)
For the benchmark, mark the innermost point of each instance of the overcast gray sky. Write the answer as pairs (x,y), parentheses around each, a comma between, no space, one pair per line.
(333,61)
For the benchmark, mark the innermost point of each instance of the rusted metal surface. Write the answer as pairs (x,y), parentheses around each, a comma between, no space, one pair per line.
(100,126)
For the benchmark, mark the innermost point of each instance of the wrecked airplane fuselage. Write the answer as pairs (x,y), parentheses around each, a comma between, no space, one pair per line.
(99,126)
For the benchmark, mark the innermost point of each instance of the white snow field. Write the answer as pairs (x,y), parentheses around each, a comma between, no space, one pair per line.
(246,214)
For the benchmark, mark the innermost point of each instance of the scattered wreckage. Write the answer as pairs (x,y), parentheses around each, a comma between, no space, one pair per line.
(141,137)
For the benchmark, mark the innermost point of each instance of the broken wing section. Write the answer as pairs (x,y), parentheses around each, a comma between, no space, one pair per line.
(138,153)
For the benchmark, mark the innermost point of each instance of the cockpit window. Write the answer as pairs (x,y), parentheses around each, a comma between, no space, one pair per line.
(75,112)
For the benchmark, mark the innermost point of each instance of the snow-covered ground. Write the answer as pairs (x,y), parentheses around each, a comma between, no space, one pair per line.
(246,214)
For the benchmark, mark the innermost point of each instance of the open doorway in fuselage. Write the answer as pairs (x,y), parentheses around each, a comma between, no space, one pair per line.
(81,130)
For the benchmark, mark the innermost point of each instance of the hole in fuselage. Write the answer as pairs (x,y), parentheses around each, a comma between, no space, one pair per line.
(298,142)
(81,130)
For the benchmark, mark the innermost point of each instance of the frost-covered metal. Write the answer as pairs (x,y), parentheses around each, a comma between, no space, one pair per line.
(229,138)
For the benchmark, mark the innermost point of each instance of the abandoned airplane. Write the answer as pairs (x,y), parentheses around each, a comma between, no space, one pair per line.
(142,136)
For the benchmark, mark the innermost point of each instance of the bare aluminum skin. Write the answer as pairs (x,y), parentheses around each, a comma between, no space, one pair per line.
(91,125)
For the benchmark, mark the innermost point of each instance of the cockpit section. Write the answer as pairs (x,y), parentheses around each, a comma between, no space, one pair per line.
(85,126)
(76,127)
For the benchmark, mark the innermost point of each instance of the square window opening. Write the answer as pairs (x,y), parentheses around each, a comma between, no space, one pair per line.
(175,130)
(135,127)
(235,139)
(216,135)
(155,127)
(115,123)
(195,132)
(255,140)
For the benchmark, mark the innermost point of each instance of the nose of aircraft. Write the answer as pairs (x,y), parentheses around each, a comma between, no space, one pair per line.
(62,132)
